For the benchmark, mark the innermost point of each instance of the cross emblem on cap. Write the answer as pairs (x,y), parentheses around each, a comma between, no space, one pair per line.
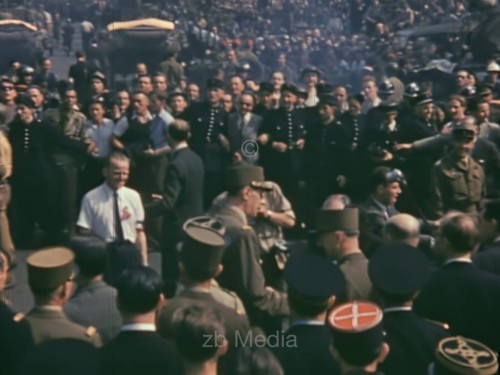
(356,316)
(463,353)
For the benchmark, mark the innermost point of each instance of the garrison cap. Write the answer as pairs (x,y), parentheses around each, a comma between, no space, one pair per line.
(398,269)
(313,278)
(357,331)
(204,243)
(346,220)
(460,355)
(50,268)
(245,174)
(215,83)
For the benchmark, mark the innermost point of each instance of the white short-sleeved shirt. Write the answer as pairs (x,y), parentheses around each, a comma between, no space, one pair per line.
(97,213)
(101,135)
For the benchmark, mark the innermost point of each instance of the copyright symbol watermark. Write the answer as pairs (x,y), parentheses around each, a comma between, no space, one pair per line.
(250,149)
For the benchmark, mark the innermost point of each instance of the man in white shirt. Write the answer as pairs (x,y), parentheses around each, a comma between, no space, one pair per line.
(112,211)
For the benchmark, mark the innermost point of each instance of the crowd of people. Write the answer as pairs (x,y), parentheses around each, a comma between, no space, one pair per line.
(316,210)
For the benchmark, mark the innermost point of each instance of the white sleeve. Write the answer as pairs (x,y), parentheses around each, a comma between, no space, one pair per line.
(121,127)
(139,210)
(85,216)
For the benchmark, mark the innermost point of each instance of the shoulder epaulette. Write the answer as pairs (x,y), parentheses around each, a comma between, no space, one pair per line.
(91,331)
(18,317)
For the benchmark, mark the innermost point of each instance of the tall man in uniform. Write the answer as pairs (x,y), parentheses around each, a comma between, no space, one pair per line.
(398,271)
(50,276)
(208,128)
(243,272)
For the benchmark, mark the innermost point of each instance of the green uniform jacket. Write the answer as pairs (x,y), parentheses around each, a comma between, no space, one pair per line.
(50,324)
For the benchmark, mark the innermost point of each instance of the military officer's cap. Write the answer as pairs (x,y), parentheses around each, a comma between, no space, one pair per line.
(388,107)
(423,99)
(484,90)
(246,174)
(215,83)
(50,268)
(493,67)
(324,88)
(178,92)
(266,87)
(25,100)
(289,87)
(313,278)
(398,269)
(346,220)
(357,331)
(460,355)
(328,99)
(204,243)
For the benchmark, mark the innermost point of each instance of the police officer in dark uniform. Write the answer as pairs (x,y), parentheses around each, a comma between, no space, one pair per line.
(208,122)
(285,128)
(327,142)
(397,273)
(34,182)
(314,284)
(265,99)
(375,114)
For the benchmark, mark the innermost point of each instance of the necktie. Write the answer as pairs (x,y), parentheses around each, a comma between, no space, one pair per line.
(118,221)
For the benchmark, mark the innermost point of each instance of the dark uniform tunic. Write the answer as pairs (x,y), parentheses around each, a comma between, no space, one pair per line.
(207,124)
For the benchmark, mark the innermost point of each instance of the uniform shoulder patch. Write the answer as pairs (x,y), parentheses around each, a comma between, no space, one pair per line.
(18,317)
(91,331)
(442,325)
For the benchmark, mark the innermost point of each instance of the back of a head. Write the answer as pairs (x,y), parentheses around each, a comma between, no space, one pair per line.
(179,130)
(401,228)
(139,290)
(90,255)
(191,326)
(461,232)
(336,202)
(254,361)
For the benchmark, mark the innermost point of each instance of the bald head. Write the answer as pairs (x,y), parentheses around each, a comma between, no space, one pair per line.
(336,202)
(402,228)
(461,233)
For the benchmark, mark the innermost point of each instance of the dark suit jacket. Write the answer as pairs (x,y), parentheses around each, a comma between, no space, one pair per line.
(139,352)
(237,135)
(372,219)
(412,341)
(311,356)
(95,304)
(489,258)
(467,299)
(183,193)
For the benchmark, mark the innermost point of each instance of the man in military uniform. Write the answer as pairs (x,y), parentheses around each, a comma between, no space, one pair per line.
(457,181)
(242,269)
(201,256)
(171,67)
(50,276)
(314,284)
(327,142)
(208,123)
(398,271)
(358,337)
(338,237)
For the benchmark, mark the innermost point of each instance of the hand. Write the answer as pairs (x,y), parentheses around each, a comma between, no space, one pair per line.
(446,130)
(387,156)
(402,147)
(263,139)
(224,142)
(263,209)
(91,146)
(279,146)
(149,152)
(341,181)
(156,197)
(237,156)
(300,144)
